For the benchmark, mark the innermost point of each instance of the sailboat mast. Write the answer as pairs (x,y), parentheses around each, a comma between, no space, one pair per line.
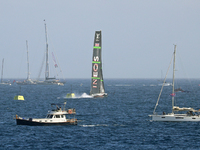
(28,74)
(173,94)
(47,59)
(2,71)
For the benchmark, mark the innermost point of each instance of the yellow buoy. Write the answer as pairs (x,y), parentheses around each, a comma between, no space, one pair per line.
(70,95)
(19,97)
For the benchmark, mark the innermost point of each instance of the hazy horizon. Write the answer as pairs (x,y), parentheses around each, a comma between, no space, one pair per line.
(138,37)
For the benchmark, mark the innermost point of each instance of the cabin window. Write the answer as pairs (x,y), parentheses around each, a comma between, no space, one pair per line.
(163,117)
(57,116)
(179,118)
(62,116)
(49,116)
(193,118)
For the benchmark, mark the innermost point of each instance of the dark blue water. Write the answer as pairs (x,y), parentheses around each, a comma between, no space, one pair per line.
(119,121)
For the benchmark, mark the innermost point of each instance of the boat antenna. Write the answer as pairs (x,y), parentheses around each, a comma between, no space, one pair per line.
(47,59)
(28,74)
(64,105)
(2,71)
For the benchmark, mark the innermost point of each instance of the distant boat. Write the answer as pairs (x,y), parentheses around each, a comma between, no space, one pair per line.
(97,83)
(179,90)
(49,80)
(3,82)
(190,114)
(28,81)
(55,117)
(165,83)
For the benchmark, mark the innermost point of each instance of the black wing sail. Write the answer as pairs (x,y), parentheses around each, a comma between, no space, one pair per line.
(97,85)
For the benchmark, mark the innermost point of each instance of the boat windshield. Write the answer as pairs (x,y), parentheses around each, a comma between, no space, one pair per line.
(49,116)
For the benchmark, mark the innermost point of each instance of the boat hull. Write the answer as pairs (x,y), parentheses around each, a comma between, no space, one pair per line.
(50,83)
(100,95)
(34,123)
(175,118)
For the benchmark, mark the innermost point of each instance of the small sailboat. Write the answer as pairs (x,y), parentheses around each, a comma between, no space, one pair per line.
(165,83)
(49,80)
(57,116)
(28,81)
(97,83)
(3,82)
(190,115)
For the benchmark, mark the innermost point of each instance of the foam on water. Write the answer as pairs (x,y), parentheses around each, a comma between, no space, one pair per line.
(77,95)
(97,125)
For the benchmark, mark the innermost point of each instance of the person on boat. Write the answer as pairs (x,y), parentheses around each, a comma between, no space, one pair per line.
(58,108)
(163,113)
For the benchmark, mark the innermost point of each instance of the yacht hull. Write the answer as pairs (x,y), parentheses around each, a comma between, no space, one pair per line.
(175,118)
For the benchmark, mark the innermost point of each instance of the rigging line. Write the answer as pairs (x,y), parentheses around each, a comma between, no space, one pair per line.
(59,66)
(35,53)
(163,85)
(21,63)
(54,51)
(187,76)
(55,63)
(41,67)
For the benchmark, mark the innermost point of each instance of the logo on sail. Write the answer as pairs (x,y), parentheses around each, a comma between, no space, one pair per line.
(97,37)
(96,44)
(95,71)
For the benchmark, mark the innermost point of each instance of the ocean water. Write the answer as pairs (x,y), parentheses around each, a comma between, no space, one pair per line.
(119,121)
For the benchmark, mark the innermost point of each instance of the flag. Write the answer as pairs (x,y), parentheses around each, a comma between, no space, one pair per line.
(173,94)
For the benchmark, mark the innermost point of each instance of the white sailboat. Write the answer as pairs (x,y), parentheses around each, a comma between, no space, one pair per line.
(28,80)
(175,115)
(49,80)
(3,82)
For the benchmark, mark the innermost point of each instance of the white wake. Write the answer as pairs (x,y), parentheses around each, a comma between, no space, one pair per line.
(84,95)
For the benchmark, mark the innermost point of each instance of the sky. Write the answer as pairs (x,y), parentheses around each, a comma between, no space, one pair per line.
(138,37)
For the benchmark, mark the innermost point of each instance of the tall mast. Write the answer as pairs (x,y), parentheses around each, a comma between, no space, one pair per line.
(47,59)
(28,74)
(2,71)
(173,79)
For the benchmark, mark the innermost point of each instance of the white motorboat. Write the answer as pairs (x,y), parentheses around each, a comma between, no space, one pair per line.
(58,116)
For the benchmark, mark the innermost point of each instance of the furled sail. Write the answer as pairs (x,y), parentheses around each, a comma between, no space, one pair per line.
(97,84)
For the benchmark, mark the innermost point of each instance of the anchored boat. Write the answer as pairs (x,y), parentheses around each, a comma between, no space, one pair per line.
(28,81)
(190,115)
(97,83)
(57,116)
(49,80)
(3,82)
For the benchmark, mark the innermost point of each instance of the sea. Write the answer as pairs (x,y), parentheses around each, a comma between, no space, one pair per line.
(119,121)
